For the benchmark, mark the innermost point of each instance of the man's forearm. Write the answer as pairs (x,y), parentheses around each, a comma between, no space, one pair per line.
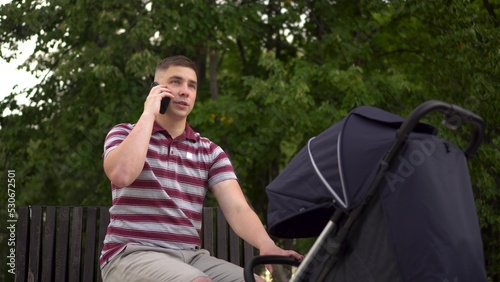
(248,226)
(124,164)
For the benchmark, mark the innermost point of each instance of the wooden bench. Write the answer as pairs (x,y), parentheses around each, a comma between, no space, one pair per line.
(64,243)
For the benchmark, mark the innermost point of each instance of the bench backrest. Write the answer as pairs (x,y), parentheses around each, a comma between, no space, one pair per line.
(64,243)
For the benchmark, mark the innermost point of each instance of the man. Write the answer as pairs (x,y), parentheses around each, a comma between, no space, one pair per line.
(160,170)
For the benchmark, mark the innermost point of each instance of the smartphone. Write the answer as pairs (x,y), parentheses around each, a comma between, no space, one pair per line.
(164,102)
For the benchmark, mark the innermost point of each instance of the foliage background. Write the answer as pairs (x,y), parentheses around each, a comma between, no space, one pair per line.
(272,74)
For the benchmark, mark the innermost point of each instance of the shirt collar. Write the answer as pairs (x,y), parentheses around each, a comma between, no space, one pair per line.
(189,133)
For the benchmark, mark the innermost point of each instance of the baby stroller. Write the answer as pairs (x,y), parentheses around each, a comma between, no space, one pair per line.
(387,198)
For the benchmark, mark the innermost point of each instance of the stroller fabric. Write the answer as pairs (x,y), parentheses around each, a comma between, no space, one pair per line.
(421,225)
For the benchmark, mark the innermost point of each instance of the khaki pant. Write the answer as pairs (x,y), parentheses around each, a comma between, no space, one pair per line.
(142,263)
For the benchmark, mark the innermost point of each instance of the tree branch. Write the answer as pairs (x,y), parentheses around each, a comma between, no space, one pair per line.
(213,73)
(416,52)
(491,11)
(242,51)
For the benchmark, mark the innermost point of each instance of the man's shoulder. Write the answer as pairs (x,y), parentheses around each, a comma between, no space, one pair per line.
(202,138)
(205,141)
(120,130)
(123,126)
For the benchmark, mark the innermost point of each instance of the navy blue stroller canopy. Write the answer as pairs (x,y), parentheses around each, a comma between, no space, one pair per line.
(333,171)
(388,198)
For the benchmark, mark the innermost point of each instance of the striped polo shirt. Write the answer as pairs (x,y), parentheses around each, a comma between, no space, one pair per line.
(163,206)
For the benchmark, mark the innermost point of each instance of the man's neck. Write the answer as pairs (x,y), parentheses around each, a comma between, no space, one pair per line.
(174,127)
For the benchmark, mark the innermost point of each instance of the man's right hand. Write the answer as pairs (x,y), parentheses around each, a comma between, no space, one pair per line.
(153,101)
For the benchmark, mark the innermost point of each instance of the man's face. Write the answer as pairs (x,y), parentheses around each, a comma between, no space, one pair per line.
(182,82)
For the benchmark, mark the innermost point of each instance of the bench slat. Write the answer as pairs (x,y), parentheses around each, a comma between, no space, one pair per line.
(221,236)
(90,246)
(49,244)
(234,248)
(62,244)
(103,226)
(22,243)
(35,243)
(208,230)
(76,244)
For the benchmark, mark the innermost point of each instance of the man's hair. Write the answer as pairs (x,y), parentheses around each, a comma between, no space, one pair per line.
(179,61)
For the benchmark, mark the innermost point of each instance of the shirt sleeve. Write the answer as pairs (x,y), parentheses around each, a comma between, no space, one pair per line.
(221,168)
(115,137)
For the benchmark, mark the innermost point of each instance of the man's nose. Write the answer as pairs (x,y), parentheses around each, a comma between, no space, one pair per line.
(184,91)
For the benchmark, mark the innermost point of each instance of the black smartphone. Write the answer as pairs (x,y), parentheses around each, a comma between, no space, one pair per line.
(164,102)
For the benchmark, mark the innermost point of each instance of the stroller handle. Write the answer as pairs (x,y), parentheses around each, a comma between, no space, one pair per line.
(259,260)
(454,117)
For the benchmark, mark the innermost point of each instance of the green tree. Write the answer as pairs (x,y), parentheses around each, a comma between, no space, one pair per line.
(272,74)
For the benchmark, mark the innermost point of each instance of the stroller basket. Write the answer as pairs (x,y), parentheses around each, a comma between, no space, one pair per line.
(387,198)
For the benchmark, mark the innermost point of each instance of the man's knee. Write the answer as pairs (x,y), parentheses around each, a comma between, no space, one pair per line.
(202,279)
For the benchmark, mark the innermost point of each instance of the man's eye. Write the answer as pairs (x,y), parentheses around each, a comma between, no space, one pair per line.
(175,82)
(192,86)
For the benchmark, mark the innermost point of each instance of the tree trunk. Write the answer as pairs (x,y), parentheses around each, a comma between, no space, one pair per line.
(213,73)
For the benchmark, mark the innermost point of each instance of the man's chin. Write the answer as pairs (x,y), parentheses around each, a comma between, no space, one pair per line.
(177,115)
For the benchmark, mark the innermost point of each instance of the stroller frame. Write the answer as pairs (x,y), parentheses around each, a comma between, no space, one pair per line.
(330,241)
